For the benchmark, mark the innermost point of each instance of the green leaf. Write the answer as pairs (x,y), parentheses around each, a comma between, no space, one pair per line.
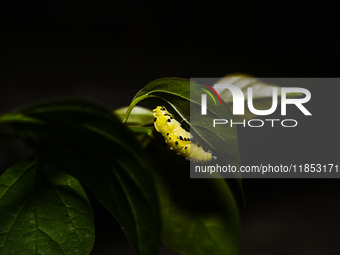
(139,116)
(43,211)
(262,93)
(199,216)
(143,134)
(176,90)
(87,141)
(182,96)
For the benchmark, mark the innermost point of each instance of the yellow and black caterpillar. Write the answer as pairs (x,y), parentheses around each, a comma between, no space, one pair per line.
(178,139)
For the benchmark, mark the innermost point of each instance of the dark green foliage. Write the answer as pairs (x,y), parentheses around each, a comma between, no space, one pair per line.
(44,210)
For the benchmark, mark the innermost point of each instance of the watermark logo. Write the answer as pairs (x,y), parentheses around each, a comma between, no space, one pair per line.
(238,100)
(239,104)
(204,97)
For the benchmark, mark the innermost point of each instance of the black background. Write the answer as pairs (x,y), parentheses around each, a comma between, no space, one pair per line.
(108,50)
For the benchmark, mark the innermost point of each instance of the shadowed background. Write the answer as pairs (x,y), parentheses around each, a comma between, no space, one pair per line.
(108,50)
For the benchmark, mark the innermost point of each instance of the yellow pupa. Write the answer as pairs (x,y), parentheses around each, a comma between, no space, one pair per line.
(177,138)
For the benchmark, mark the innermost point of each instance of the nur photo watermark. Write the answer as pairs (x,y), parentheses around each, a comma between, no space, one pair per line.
(281,106)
